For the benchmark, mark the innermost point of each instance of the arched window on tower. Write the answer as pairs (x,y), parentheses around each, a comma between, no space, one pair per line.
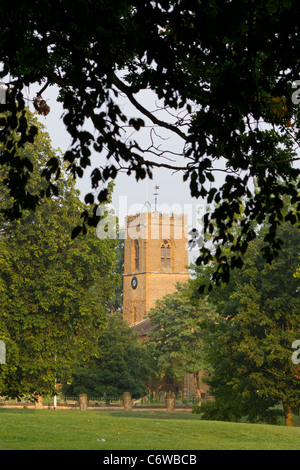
(136,255)
(165,255)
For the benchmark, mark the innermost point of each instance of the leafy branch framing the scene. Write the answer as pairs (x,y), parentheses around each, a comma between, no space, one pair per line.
(231,80)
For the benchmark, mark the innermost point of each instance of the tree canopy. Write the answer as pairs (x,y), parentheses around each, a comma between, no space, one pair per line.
(177,342)
(121,364)
(55,292)
(251,348)
(222,72)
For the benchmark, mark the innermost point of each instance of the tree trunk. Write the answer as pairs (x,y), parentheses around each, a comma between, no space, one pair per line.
(196,382)
(288,414)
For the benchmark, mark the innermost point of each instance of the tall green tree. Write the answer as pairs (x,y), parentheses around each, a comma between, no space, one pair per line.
(119,269)
(55,292)
(252,355)
(230,83)
(122,364)
(178,340)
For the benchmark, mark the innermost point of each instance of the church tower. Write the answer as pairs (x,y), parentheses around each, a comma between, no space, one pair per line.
(155,259)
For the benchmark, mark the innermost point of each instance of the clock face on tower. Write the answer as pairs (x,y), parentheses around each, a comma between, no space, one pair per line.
(134,283)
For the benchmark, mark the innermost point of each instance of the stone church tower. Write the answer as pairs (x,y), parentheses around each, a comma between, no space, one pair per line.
(155,259)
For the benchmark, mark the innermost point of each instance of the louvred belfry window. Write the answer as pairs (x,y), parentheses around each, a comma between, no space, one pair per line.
(165,255)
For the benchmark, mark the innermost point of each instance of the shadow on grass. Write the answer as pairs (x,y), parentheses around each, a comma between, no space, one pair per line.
(155,415)
(19,410)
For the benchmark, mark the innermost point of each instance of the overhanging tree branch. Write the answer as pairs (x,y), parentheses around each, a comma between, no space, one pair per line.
(127,90)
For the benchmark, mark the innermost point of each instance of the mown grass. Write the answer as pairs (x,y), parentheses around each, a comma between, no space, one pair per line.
(92,430)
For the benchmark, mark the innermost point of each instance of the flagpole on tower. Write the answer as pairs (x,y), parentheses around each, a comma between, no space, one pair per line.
(155,194)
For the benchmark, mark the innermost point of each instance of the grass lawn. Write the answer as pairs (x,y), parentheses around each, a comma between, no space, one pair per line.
(84,430)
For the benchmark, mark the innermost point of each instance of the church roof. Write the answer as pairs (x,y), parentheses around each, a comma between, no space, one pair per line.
(143,327)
